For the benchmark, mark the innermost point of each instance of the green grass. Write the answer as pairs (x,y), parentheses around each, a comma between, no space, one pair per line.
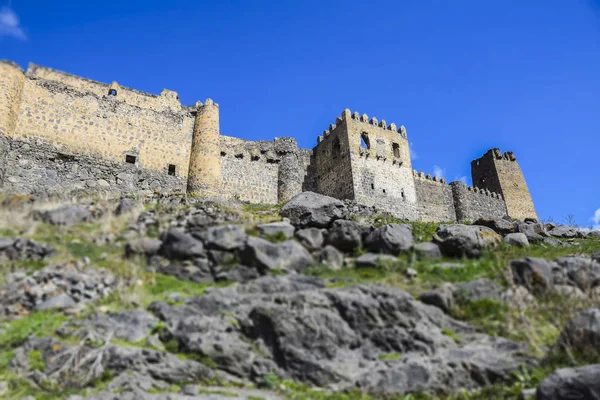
(36,361)
(389,356)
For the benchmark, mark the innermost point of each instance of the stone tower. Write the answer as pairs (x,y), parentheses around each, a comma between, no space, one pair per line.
(204,178)
(501,173)
(12,79)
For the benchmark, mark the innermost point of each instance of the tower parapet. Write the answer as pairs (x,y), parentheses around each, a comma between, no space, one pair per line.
(289,181)
(204,178)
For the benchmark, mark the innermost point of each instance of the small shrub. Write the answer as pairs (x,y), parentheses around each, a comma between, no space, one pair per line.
(389,356)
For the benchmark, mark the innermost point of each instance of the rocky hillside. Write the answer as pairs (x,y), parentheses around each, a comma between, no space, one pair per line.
(175,298)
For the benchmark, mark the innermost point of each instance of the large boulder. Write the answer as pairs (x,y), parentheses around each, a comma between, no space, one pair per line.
(479,289)
(442,297)
(536,274)
(267,256)
(391,239)
(464,240)
(571,384)
(582,271)
(331,257)
(23,249)
(277,228)
(308,209)
(345,235)
(499,225)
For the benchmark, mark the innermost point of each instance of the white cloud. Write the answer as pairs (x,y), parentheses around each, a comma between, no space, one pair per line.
(413,153)
(462,179)
(596,219)
(438,171)
(10,25)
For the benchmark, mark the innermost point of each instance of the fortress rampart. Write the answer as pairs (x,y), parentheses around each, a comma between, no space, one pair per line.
(61,134)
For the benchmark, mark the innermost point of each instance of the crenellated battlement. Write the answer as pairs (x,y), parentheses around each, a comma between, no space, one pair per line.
(428,177)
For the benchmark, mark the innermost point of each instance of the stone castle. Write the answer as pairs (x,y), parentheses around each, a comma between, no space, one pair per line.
(61,134)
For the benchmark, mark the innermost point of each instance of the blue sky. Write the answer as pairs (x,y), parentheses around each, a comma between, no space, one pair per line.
(462,76)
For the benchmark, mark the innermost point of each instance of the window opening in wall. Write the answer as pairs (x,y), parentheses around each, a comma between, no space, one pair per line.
(130,159)
(402,194)
(396,149)
(112,92)
(239,155)
(364,141)
(335,148)
(223,154)
(372,186)
(254,158)
(172,169)
(383,191)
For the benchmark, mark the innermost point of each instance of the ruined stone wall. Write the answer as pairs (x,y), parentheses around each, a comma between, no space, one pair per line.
(501,173)
(381,171)
(308,166)
(250,170)
(434,198)
(79,118)
(473,203)
(35,167)
(333,164)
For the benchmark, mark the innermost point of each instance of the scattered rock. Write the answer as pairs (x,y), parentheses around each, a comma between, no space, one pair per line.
(533,273)
(345,235)
(23,249)
(331,257)
(390,239)
(308,209)
(570,292)
(499,225)
(311,238)
(582,271)
(267,256)
(131,326)
(223,237)
(442,297)
(535,232)
(516,239)
(60,302)
(142,246)
(125,205)
(564,231)
(428,250)
(476,290)
(582,333)
(69,214)
(571,383)
(373,260)
(177,245)
(274,228)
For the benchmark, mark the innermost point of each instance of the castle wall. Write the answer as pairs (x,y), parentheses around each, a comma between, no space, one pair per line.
(434,198)
(35,167)
(250,170)
(474,203)
(78,122)
(382,174)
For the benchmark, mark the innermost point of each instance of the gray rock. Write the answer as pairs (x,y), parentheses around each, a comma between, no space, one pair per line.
(464,240)
(571,384)
(69,214)
(345,235)
(500,225)
(594,234)
(428,250)
(552,242)
(311,238)
(533,273)
(570,292)
(24,249)
(373,260)
(391,239)
(442,297)
(223,237)
(177,245)
(274,228)
(131,326)
(142,246)
(516,239)
(582,271)
(480,289)
(517,297)
(535,232)
(582,333)
(60,302)
(564,231)
(331,257)
(264,255)
(125,205)
(308,209)
(197,270)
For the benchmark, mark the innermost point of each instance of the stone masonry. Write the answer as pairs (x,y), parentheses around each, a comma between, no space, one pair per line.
(62,135)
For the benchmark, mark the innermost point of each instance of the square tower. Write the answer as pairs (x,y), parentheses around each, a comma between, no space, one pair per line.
(501,173)
(368,161)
